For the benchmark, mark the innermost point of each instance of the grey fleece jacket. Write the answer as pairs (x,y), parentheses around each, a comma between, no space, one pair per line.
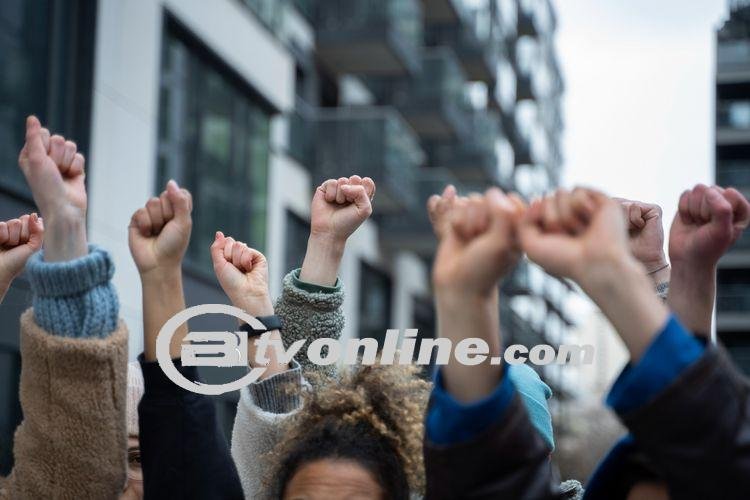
(307,312)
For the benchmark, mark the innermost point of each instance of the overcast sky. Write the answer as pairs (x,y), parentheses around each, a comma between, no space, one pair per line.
(638,102)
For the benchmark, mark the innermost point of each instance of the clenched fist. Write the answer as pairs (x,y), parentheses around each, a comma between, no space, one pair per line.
(243,274)
(478,244)
(160,232)
(54,169)
(646,233)
(708,221)
(19,239)
(575,234)
(340,206)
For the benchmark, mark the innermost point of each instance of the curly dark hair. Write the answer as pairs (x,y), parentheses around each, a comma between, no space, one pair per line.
(373,415)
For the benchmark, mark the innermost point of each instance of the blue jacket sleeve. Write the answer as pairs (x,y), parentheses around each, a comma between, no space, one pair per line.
(673,350)
(183,451)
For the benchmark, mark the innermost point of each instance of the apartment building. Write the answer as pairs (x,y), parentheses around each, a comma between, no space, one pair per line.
(733,168)
(251,103)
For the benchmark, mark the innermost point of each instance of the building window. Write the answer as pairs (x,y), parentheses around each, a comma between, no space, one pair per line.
(213,140)
(297,233)
(374,303)
(46,63)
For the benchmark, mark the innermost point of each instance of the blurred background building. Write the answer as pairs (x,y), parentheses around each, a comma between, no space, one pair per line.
(733,169)
(250,104)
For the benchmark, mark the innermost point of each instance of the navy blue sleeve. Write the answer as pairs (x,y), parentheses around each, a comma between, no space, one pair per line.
(451,422)
(673,350)
(183,451)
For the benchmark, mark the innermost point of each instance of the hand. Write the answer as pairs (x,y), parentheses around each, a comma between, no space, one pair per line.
(708,222)
(159,233)
(646,233)
(19,239)
(583,235)
(243,275)
(439,208)
(54,170)
(340,206)
(574,234)
(479,244)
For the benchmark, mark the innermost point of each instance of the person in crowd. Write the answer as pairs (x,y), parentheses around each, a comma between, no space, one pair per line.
(72,440)
(708,221)
(183,452)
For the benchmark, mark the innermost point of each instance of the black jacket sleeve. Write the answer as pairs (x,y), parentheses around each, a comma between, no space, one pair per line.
(696,433)
(183,451)
(508,460)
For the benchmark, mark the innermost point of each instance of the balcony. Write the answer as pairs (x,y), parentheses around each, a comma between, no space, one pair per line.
(413,231)
(733,61)
(519,281)
(433,102)
(367,38)
(374,142)
(474,43)
(475,159)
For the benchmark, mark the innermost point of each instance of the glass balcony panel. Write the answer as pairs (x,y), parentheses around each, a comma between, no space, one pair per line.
(370,141)
(733,173)
(733,114)
(270,12)
(302,134)
(363,37)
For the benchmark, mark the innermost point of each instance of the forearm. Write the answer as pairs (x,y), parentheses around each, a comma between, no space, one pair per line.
(625,296)
(691,296)
(65,237)
(458,314)
(322,260)
(163,297)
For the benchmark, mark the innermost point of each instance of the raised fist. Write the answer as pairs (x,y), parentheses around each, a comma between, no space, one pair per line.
(54,170)
(243,274)
(646,233)
(340,206)
(575,234)
(159,233)
(478,244)
(19,239)
(708,221)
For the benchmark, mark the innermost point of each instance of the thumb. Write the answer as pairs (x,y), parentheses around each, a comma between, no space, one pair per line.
(34,144)
(358,195)
(217,250)
(36,232)
(181,201)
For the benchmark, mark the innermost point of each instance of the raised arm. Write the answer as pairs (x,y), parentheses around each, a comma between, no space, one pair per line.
(72,441)
(708,221)
(183,451)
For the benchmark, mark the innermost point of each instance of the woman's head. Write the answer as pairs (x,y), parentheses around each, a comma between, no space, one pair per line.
(357,436)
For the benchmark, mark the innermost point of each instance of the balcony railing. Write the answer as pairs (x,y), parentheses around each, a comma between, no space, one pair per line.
(733,56)
(733,298)
(413,230)
(433,102)
(474,159)
(363,37)
(733,114)
(474,41)
(734,173)
(374,142)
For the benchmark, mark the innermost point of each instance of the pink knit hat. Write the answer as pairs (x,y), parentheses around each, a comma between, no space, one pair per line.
(135,393)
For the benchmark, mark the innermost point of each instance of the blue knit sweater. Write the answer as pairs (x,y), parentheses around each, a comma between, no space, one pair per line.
(75,298)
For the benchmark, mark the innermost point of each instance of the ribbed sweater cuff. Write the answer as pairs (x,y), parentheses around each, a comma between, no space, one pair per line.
(280,393)
(75,298)
(62,279)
